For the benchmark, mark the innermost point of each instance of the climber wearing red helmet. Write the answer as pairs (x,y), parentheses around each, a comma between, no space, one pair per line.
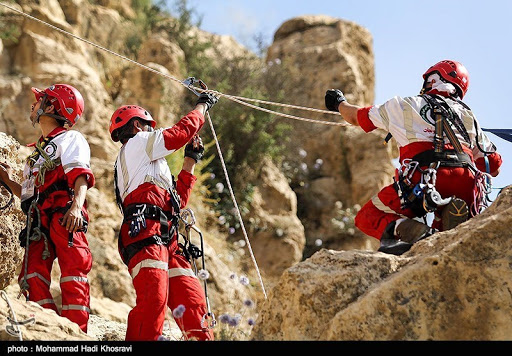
(446,160)
(53,195)
(150,201)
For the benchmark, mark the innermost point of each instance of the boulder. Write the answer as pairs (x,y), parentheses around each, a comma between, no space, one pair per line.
(453,285)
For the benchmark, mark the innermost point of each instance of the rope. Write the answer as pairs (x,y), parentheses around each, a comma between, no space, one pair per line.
(239,215)
(14,329)
(48,165)
(237,99)
(481,193)
(36,236)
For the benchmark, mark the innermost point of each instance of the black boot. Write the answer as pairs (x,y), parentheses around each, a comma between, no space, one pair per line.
(394,247)
(408,232)
(390,244)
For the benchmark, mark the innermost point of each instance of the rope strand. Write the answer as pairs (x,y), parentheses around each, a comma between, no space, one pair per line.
(239,215)
(238,99)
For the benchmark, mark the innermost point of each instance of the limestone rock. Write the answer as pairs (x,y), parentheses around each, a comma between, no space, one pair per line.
(278,235)
(454,285)
(46,325)
(39,56)
(327,52)
(12,219)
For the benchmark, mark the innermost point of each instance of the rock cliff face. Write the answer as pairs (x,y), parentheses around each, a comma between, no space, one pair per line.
(328,53)
(329,289)
(12,219)
(38,56)
(454,285)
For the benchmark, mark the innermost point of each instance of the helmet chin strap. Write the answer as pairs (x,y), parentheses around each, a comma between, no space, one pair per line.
(41,112)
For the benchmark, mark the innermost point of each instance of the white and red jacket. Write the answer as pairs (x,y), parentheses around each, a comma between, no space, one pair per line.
(412,125)
(71,154)
(143,174)
(162,276)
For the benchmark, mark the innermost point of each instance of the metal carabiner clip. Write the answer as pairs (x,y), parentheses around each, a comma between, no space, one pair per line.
(190,81)
(208,321)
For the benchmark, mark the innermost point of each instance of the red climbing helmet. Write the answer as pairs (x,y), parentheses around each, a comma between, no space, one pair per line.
(125,113)
(67,100)
(453,72)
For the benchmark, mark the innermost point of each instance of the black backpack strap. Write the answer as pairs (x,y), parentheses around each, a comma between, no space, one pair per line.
(444,116)
(119,200)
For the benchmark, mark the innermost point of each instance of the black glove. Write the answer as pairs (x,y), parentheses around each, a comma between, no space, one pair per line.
(208,99)
(333,98)
(195,149)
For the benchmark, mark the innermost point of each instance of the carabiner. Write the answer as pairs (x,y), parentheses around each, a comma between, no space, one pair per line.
(190,81)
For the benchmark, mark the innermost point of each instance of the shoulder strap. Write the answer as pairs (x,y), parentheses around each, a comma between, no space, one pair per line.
(175,198)
(119,200)
(442,114)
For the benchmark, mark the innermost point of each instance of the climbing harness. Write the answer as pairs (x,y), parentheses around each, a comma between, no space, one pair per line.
(424,192)
(136,215)
(192,252)
(422,198)
(14,329)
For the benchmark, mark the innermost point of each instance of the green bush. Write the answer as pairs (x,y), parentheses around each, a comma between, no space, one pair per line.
(246,135)
(149,13)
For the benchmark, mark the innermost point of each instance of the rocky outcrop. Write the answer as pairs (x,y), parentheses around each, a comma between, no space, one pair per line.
(41,323)
(454,285)
(39,56)
(332,163)
(277,233)
(12,219)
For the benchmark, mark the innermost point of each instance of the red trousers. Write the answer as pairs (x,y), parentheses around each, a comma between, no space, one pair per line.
(385,207)
(163,278)
(75,263)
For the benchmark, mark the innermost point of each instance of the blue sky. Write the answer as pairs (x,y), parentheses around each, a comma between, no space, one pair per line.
(408,37)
